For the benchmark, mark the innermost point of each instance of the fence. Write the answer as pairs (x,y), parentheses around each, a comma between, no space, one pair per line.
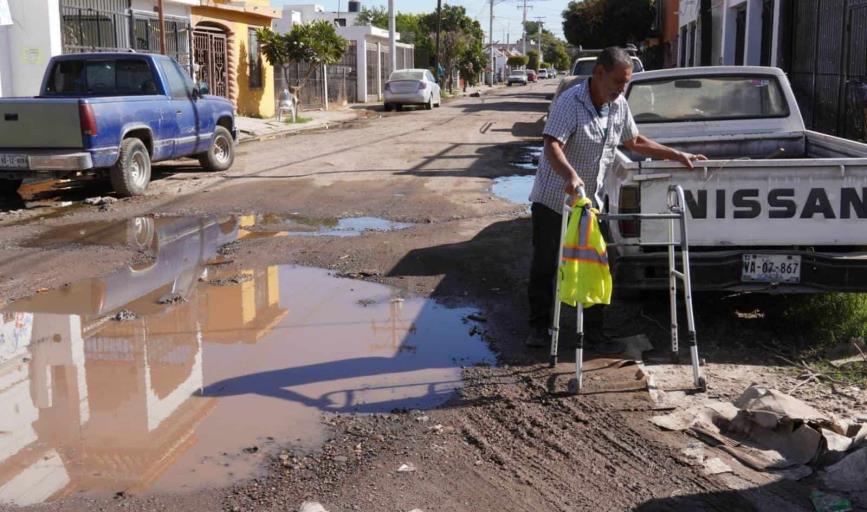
(110,26)
(826,58)
(342,81)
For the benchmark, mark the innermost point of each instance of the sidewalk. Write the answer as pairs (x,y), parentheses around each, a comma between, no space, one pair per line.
(251,128)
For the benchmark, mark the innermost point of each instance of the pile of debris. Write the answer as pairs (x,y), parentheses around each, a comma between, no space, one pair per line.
(770,431)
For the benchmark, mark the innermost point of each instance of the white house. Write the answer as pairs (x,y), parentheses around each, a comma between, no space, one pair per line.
(370,44)
(729,32)
(304,13)
(37,30)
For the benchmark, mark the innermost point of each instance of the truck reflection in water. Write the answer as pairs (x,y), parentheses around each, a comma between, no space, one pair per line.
(174,396)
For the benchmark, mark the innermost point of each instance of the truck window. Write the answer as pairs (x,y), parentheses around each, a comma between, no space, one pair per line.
(178,85)
(112,77)
(706,98)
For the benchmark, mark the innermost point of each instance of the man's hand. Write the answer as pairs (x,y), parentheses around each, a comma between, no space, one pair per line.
(687,159)
(573,185)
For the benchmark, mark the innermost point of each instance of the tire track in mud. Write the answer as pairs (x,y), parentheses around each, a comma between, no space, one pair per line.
(577,452)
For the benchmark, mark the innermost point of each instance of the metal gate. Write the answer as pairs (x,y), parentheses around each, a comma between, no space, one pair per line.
(827,63)
(210,59)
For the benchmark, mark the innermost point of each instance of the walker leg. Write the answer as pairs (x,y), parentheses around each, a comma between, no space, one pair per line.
(698,380)
(672,295)
(576,384)
(555,317)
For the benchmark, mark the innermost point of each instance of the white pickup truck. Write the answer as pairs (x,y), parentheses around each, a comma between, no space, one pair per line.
(776,208)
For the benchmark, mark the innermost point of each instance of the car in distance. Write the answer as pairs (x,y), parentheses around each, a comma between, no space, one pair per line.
(517,76)
(411,87)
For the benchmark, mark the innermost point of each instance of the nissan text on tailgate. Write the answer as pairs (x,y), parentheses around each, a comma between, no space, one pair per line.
(112,115)
(776,208)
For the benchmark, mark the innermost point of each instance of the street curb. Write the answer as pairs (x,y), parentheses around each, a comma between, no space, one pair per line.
(287,133)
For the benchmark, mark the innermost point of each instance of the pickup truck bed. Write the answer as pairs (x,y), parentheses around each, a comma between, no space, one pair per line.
(775,208)
(112,114)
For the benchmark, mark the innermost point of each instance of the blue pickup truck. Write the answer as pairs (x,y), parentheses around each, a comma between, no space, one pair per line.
(110,115)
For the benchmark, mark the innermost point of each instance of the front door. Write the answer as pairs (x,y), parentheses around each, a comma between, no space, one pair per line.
(210,60)
(184,109)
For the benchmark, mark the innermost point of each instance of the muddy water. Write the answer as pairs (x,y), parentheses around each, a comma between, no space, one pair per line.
(515,189)
(194,392)
(298,225)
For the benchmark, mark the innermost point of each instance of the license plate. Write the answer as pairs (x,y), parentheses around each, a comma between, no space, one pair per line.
(13,161)
(771,268)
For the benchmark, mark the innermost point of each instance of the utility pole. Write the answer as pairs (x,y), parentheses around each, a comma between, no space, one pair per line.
(392,41)
(437,50)
(524,27)
(539,33)
(491,40)
(162,17)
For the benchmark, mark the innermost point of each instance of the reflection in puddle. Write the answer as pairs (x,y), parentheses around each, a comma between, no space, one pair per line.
(297,225)
(170,399)
(515,189)
(141,232)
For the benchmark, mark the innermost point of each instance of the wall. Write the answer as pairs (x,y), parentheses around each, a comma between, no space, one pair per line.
(257,102)
(27,45)
(753,39)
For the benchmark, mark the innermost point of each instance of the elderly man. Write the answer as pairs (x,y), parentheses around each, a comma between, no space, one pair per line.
(584,128)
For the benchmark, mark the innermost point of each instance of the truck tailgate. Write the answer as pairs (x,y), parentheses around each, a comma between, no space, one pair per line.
(796,202)
(40,123)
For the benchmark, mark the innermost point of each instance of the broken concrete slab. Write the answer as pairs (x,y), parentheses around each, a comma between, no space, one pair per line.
(715,466)
(765,403)
(850,474)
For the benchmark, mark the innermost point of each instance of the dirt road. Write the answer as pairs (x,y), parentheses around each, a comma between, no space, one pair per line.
(510,439)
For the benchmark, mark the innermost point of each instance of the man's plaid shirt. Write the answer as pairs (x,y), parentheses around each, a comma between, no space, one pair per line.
(575,122)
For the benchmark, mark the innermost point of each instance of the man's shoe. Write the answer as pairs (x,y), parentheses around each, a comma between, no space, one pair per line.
(537,338)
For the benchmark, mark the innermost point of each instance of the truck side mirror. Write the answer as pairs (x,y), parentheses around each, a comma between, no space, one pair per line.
(203,89)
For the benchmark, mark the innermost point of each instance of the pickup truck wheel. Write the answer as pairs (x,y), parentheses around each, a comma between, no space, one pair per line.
(221,155)
(9,187)
(131,173)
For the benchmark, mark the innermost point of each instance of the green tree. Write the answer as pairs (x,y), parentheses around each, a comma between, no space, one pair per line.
(517,61)
(315,44)
(373,17)
(601,23)
(533,60)
(461,42)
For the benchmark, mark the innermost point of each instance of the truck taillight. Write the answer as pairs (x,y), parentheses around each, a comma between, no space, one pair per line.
(630,202)
(88,120)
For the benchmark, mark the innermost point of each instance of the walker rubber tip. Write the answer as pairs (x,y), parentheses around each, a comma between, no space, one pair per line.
(574,388)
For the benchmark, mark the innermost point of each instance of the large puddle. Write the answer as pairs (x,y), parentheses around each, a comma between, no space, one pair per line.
(298,225)
(515,189)
(141,232)
(200,381)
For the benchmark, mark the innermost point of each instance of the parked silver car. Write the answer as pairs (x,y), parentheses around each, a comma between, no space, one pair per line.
(517,76)
(411,87)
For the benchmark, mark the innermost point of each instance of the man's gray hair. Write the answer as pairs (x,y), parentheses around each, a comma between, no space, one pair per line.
(612,57)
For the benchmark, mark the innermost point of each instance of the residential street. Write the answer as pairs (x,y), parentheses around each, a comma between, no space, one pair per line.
(236,329)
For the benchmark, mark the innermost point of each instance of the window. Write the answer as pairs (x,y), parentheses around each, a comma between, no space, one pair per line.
(179,86)
(121,77)
(254,61)
(706,98)
(406,75)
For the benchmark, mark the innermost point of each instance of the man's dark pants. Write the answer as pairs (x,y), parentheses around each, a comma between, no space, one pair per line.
(543,270)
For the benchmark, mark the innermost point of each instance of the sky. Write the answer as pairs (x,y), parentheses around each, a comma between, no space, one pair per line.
(507,13)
